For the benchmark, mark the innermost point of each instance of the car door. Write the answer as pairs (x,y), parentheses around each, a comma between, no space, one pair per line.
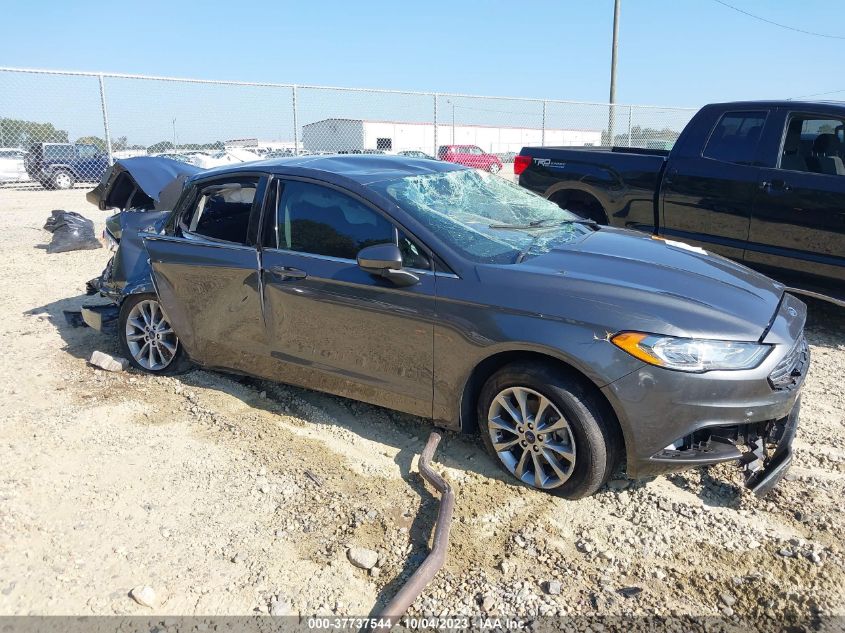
(798,219)
(206,273)
(707,193)
(474,157)
(331,325)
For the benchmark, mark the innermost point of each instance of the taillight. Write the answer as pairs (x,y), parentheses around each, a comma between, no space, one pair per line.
(520,164)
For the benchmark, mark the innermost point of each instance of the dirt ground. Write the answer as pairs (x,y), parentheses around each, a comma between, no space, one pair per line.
(233,496)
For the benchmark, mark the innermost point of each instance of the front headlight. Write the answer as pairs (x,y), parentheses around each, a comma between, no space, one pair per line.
(688,354)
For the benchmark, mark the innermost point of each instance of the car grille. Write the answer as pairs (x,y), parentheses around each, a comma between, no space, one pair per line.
(788,371)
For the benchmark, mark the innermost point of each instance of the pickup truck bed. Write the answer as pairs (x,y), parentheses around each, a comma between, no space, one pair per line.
(759,182)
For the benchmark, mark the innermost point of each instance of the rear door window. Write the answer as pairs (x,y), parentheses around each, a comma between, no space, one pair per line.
(814,144)
(735,137)
(222,210)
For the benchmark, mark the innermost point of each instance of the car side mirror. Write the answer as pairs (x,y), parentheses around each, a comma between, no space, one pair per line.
(385,260)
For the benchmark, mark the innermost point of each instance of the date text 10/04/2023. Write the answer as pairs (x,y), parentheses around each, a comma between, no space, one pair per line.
(458,623)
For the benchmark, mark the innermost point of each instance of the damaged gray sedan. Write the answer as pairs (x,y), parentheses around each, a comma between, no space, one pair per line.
(454,295)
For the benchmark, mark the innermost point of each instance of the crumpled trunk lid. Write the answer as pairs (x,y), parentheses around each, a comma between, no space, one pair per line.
(144,182)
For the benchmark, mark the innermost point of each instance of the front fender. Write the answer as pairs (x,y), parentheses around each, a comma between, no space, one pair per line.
(468,335)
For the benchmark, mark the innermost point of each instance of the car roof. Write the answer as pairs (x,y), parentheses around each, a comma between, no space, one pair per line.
(794,105)
(361,168)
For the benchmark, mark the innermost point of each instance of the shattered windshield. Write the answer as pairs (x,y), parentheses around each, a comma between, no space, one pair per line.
(484,217)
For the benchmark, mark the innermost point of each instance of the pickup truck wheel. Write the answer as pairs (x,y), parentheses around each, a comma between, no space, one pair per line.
(494,168)
(547,429)
(147,338)
(62,179)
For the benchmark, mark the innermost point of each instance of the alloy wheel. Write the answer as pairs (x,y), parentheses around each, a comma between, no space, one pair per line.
(494,168)
(63,180)
(531,437)
(149,336)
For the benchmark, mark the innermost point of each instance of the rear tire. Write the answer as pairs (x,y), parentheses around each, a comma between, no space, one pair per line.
(582,204)
(147,339)
(563,420)
(62,179)
(494,168)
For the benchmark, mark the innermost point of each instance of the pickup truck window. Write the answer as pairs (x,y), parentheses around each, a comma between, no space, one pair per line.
(814,144)
(735,137)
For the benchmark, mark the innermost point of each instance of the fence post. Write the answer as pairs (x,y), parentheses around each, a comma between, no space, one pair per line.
(543,131)
(435,125)
(630,114)
(105,118)
(295,130)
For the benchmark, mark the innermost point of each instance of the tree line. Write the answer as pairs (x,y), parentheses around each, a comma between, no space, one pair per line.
(22,133)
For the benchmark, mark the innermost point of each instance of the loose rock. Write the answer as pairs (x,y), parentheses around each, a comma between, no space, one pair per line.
(108,362)
(362,557)
(144,595)
(279,606)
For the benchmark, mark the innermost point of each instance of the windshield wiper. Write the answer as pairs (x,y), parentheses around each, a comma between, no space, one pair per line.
(534,224)
(522,254)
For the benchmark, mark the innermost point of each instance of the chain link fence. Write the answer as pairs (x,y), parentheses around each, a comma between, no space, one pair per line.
(61,128)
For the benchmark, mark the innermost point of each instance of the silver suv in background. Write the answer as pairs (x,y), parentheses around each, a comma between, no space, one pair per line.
(12,168)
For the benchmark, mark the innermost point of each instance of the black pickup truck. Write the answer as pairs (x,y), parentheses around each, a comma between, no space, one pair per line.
(761,182)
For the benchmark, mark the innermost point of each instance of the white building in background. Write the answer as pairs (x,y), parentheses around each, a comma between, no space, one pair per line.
(341,135)
(256,143)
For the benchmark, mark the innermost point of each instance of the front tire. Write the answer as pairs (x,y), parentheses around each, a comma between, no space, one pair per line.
(548,429)
(147,339)
(495,168)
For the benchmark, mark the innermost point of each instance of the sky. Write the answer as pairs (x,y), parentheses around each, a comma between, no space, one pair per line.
(671,52)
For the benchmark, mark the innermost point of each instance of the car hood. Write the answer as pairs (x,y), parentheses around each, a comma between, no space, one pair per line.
(160,178)
(638,282)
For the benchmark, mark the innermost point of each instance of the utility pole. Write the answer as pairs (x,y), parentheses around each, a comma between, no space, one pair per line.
(612,109)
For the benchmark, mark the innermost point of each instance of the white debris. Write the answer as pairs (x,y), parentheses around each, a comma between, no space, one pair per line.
(362,557)
(144,595)
(108,362)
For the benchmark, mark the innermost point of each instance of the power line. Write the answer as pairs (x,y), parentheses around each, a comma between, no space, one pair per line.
(783,26)
(817,94)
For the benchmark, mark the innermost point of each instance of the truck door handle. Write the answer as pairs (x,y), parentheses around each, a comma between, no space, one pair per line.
(286,272)
(770,186)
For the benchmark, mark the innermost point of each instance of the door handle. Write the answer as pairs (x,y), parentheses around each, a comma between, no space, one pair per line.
(287,272)
(774,185)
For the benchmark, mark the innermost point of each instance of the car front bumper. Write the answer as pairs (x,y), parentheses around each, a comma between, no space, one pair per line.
(673,420)
(100,317)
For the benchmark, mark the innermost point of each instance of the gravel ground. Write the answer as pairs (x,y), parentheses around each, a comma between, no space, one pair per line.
(236,496)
